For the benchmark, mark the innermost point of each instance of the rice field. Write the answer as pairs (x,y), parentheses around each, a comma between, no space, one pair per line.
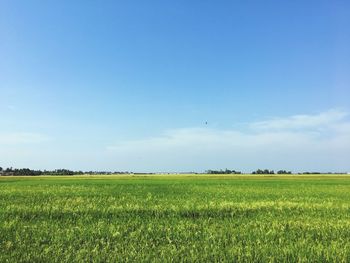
(175,219)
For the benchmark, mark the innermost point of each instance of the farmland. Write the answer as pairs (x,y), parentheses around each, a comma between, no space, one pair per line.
(175,218)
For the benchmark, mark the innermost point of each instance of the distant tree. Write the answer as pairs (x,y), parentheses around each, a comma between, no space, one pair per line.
(226,171)
(311,173)
(284,172)
(265,171)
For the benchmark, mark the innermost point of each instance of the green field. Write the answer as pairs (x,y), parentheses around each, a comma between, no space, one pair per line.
(175,218)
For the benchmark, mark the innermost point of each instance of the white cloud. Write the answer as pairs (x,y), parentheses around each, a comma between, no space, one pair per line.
(310,142)
(321,120)
(320,142)
(22,138)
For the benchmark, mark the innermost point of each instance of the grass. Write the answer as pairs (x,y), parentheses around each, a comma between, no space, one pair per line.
(175,218)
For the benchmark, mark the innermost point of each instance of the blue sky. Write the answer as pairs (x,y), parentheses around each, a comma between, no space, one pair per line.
(129,85)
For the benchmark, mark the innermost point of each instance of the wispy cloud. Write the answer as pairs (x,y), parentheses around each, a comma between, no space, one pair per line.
(320,141)
(22,138)
(324,119)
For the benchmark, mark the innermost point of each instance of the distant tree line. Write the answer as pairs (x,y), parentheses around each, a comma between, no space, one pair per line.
(29,172)
(284,172)
(226,171)
(259,171)
(267,171)
(106,172)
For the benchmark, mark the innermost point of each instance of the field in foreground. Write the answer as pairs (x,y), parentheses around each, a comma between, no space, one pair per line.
(175,218)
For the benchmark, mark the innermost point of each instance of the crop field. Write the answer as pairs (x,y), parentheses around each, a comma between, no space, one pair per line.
(175,219)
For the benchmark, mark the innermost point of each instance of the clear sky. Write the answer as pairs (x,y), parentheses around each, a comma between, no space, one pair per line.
(130,85)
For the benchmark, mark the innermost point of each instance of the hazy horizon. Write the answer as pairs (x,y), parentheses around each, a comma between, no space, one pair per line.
(175,86)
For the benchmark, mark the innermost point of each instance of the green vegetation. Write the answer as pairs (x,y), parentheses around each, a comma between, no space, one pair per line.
(175,218)
(226,171)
